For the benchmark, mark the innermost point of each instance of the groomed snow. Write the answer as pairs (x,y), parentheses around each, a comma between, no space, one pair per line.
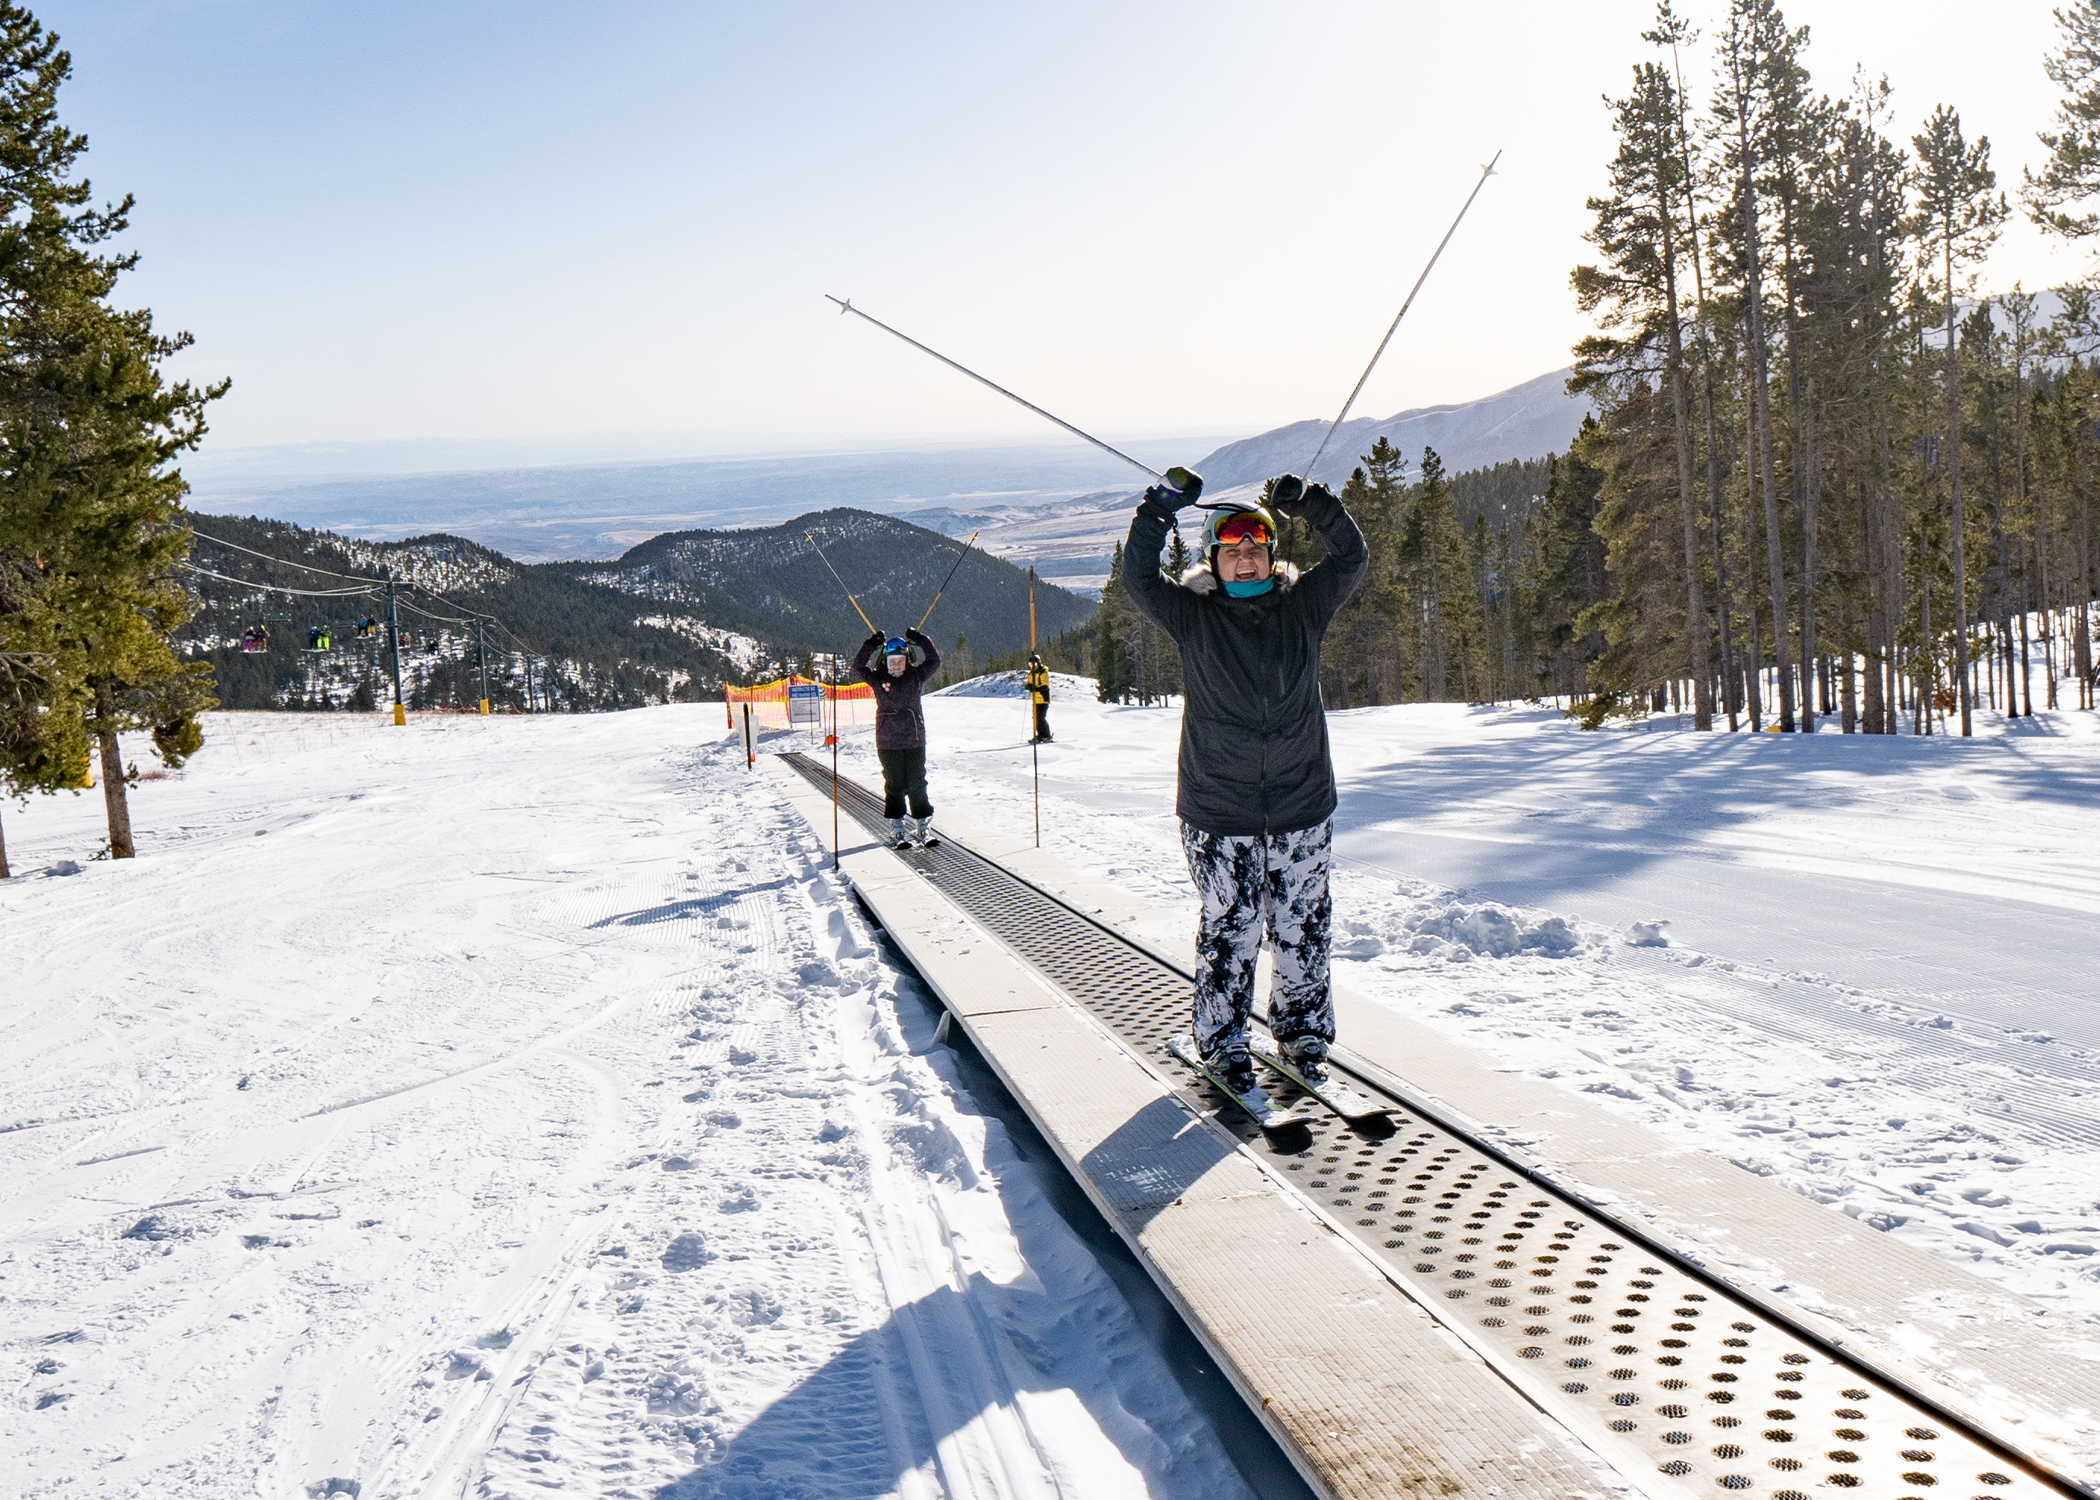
(499,1106)
(521,1103)
(1862,966)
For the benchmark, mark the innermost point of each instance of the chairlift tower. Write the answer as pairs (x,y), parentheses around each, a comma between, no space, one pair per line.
(481,657)
(393,621)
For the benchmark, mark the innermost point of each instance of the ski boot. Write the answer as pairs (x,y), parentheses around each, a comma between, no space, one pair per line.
(1308,1054)
(923,834)
(900,833)
(1235,1065)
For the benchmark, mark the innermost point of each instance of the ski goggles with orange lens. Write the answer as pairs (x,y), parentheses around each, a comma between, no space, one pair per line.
(1244,527)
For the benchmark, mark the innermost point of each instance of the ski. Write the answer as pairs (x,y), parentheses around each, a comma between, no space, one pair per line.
(1255,1102)
(1336,1095)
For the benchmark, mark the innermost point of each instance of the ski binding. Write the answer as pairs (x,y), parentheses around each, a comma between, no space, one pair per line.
(1255,1101)
(1335,1094)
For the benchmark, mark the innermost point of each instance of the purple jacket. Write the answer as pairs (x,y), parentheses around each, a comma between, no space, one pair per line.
(899,725)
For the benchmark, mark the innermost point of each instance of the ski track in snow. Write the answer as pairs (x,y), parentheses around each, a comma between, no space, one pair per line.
(499,1106)
(1974,1139)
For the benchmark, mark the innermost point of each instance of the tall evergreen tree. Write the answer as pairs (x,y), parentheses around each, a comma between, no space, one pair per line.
(1762,92)
(1959,215)
(88,433)
(1636,289)
(2059,198)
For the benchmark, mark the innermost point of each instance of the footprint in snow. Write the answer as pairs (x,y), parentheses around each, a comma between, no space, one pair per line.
(688,1252)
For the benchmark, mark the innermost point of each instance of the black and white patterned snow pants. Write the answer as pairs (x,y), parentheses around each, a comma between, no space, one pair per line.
(1274,883)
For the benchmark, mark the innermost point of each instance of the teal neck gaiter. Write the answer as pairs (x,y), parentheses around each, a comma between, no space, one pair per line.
(1240,590)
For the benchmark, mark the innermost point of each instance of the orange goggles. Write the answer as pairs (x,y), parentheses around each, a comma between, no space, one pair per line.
(1245,527)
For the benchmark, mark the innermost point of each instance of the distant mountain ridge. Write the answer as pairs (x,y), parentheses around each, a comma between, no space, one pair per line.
(773,582)
(670,619)
(1526,421)
(596,511)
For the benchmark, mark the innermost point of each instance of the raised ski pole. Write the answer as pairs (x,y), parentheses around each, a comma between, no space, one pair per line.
(944,583)
(845,305)
(1485,173)
(811,537)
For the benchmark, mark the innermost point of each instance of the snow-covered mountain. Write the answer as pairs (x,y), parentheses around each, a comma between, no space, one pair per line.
(1525,421)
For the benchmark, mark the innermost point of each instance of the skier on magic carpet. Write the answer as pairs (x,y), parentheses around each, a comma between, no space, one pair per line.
(900,729)
(1255,783)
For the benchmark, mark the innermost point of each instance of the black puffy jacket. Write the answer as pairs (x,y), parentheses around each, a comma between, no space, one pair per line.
(1254,755)
(900,723)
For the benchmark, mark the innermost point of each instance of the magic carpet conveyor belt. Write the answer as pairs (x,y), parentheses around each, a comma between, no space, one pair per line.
(1681,1385)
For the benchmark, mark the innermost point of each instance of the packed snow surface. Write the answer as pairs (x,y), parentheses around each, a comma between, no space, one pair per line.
(497,1106)
(521,1105)
(1863,966)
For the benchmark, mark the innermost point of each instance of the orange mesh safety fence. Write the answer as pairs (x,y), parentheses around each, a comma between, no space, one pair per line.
(801,703)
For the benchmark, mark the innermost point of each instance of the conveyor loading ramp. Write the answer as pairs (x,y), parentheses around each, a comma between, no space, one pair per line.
(1680,1386)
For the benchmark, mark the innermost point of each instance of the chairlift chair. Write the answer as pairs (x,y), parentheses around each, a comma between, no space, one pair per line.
(319,639)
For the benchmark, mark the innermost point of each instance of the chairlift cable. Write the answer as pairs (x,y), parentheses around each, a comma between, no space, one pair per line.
(278,588)
(287,562)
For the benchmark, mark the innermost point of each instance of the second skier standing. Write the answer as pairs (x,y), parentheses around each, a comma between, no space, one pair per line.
(900,729)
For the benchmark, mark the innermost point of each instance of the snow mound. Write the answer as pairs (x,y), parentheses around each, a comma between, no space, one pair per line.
(1015,685)
(1436,924)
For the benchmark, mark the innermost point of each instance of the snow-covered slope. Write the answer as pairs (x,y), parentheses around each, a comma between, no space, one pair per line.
(1862,966)
(521,1105)
(505,1106)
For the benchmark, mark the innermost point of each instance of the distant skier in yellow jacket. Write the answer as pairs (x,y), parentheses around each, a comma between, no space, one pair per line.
(1039,695)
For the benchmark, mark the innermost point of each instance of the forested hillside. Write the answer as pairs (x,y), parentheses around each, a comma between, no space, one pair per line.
(773,583)
(1824,477)
(672,619)
(552,642)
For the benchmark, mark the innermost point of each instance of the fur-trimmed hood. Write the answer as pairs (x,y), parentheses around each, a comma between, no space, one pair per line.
(1201,580)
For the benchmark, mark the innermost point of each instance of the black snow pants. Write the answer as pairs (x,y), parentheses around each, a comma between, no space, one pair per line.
(904,778)
(1264,883)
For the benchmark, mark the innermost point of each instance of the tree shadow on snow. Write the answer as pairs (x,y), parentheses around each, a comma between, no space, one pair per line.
(1592,808)
(902,1398)
(898,1398)
(671,911)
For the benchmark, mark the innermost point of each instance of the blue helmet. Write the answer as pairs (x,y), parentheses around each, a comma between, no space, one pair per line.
(896,645)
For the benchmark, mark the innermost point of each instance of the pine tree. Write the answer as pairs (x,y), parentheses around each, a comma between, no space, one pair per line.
(1637,228)
(88,431)
(2071,175)
(1960,216)
(1111,672)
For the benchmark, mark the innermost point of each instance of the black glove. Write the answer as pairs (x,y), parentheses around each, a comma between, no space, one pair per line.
(913,635)
(1318,494)
(1285,494)
(1188,481)
(875,639)
(1162,501)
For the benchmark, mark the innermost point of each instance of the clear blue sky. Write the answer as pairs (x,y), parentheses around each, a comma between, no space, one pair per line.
(524,220)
